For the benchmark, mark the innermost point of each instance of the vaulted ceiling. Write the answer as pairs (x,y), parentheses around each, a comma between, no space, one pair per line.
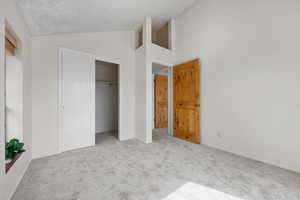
(74,16)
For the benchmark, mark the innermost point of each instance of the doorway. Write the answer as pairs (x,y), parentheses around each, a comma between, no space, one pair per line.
(106,100)
(161,101)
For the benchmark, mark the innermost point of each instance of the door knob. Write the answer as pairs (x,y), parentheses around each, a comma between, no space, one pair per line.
(197,105)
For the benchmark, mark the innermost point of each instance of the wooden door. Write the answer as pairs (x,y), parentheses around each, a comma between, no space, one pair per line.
(187,101)
(161,101)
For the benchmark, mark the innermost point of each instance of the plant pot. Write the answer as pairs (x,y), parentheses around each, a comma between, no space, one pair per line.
(8,165)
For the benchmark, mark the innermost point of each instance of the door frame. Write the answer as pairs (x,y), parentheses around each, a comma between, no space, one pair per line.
(170,101)
(59,103)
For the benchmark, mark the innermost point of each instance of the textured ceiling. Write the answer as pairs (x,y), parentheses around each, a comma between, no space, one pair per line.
(74,16)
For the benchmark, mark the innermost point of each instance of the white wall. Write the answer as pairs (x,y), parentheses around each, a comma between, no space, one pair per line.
(143,87)
(140,95)
(146,55)
(106,97)
(113,45)
(14,98)
(250,75)
(8,182)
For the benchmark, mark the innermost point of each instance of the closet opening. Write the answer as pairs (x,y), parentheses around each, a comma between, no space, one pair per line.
(106,100)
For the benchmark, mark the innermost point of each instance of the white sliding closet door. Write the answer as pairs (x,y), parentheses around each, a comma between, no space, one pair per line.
(77,100)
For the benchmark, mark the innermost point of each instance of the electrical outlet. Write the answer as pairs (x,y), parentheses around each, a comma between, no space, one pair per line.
(219,134)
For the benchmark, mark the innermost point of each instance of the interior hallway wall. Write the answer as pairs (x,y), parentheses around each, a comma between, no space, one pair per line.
(144,57)
(140,95)
(106,97)
(117,45)
(9,181)
(250,75)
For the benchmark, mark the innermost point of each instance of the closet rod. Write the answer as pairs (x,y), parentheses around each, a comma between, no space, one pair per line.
(106,80)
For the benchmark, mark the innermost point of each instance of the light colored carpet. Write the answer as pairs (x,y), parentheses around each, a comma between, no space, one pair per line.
(167,169)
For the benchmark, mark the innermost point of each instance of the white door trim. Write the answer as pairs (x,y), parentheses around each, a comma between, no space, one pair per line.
(170,101)
(109,60)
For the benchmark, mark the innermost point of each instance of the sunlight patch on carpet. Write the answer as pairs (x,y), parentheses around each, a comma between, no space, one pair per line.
(193,191)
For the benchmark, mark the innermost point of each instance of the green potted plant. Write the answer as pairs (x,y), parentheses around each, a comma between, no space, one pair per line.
(12,149)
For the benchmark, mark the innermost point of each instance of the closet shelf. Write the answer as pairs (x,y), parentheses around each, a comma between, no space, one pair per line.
(107,81)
